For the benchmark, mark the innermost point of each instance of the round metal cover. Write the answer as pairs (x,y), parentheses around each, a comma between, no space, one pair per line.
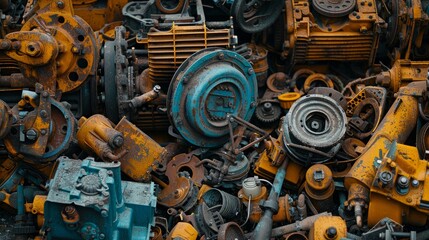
(208,86)
(334,8)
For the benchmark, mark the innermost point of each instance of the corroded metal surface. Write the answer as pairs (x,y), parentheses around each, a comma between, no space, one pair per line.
(214,119)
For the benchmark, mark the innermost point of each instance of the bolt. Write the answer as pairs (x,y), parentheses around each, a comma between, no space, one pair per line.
(5,45)
(415,183)
(45,94)
(318,175)
(250,71)
(118,141)
(75,49)
(267,107)
(43,113)
(331,232)
(403,181)
(70,212)
(60,4)
(43,131)
(101,236)
(156,88)
(221,56)
(31,134)
(104,213)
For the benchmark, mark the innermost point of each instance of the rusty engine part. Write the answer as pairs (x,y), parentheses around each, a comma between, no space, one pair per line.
(402,73)
(269,160)
(252,193)
(251,16)
(313,129)
(97,204)
(378,170)
(161,41)
(98,13)
(124,143)
(54,47)
(214,119)
(331,31)
(412,28)
(209,86)
(182,189)
(319,186)
(42,128)
(366,109)
(183,231)
(328,227)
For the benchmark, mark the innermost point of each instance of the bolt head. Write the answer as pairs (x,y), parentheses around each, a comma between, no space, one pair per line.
(60,4)
(331,232)
(118,141)
(43,113)
(31,134)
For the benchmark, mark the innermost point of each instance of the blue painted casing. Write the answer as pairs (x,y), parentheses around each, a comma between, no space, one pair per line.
(108,208)
(206,87)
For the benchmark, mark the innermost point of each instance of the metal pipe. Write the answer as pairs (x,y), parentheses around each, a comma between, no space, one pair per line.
(20,201)
(303,225)
(16,80)
(271,205)
(396,126)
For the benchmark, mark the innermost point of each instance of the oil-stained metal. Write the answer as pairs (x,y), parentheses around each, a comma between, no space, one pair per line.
(61,54)
(313,129)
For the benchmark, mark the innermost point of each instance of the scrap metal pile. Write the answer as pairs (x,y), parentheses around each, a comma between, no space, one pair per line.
(214,119)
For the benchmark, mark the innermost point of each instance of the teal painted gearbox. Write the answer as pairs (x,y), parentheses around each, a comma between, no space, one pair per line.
(88,200)
(208,86)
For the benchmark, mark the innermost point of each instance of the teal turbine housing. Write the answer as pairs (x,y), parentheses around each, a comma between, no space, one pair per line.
(88,200)
(208,86)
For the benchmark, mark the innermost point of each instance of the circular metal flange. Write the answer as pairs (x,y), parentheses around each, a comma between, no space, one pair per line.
(61,134)
(317,80)
(334,8)
(79,56)
(313,129)
(208,86)
(253,16)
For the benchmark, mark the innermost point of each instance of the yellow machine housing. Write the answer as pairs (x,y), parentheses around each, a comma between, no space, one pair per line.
(311,36)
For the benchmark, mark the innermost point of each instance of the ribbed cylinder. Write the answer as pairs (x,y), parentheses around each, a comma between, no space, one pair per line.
(229,205)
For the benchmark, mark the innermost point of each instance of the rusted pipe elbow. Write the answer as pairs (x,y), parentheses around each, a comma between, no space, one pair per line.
(110,156)
(145,98)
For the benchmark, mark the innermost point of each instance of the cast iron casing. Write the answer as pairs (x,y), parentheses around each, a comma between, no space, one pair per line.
(106,207)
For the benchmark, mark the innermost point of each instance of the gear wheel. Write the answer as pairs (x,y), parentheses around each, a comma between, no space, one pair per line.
(268,112)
